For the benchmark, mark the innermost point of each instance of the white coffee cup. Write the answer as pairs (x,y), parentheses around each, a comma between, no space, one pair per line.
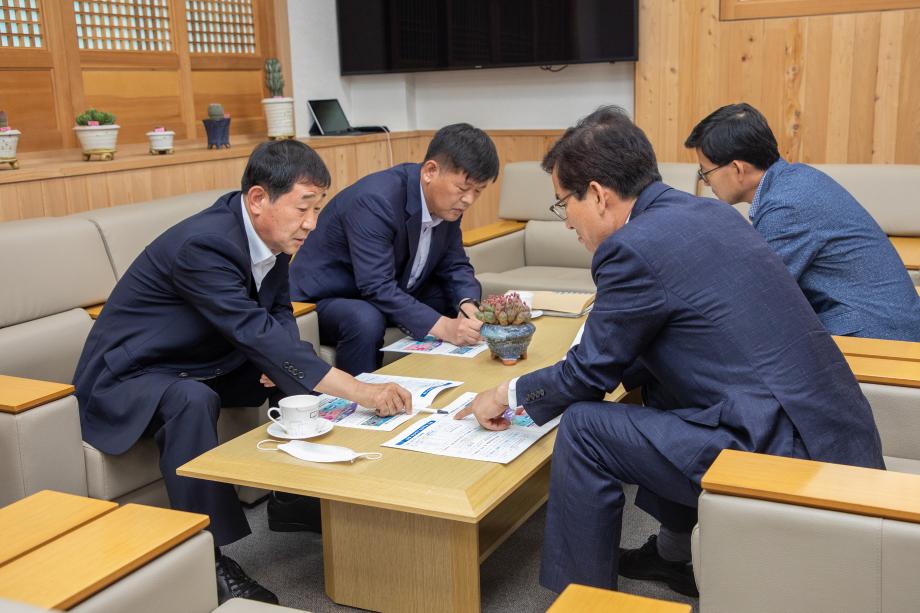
(297,415)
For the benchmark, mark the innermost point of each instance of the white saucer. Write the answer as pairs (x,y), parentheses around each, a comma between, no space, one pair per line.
(278,432)
(534,313)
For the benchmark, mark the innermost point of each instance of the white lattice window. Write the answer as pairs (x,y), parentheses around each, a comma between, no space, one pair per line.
(122,25)
(224,26)
(20,24)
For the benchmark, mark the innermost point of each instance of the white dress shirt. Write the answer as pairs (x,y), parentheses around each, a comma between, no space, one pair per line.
(424,241)
(262,258)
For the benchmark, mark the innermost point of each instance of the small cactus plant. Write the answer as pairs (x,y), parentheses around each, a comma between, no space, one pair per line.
(100,117)
(4,122)
(507,310)
(215,111)
(273,79)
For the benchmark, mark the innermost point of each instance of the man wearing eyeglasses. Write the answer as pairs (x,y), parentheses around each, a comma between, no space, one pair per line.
(694,305)
(840,257)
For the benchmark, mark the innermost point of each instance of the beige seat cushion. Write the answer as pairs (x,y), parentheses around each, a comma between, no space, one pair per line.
(550,243)
(887,191)
(537,278)
(50,265)
(47,348)
(129,228)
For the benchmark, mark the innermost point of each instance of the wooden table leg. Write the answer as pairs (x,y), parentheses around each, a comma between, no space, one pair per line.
(392,561)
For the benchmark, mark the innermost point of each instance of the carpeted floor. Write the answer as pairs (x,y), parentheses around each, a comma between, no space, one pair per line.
(291,565)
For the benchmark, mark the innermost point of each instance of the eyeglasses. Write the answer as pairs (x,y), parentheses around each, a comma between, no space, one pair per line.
(558,208)
(704,176)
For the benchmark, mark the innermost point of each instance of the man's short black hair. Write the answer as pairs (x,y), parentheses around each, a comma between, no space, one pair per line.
(735,132)
(607,147)
(276,166)
(460,147)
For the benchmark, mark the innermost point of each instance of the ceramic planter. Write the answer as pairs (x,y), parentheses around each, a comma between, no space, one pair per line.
(508,343)
(279,115)
(161,141)
(218,132)
(9,139)
(97,141)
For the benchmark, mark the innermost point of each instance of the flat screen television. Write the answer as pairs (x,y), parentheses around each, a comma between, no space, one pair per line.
(380,36)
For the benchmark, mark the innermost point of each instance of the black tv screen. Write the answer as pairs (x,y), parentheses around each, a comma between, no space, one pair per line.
(378,36)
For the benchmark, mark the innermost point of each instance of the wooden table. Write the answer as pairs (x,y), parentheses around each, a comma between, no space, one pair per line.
(408,532)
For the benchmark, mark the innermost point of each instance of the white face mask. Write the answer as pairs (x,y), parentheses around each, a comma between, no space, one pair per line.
(314,452)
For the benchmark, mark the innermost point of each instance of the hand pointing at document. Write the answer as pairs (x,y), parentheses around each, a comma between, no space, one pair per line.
(489,407)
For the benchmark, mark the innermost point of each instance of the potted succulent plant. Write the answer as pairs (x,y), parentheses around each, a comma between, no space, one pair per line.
(161,140)
(506,327)
(217,125)
(279,111)
(98,133)
(9,138)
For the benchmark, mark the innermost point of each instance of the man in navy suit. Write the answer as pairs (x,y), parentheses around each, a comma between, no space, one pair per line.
(202,319)
(388,251)
(694,305)
(846,266)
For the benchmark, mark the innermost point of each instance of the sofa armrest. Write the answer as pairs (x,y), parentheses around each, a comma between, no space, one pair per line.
(577,598)
(833,487)
(94,311)
(878,348)
(497,254)
(908,247)
(18,394)
(493,230)
(41,446)
(302,308)
(905,373)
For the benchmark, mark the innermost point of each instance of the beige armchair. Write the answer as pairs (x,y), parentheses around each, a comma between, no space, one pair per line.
(779,534)
(54,269)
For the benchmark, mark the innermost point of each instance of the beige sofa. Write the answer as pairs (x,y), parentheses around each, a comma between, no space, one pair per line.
(51,269)
(543,254)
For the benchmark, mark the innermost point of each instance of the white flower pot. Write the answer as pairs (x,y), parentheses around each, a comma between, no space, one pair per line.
(161,142)
(97,140)
(8,141)
(279,114)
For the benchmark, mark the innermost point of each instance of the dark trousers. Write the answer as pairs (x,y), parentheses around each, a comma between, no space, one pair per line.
(356,327)
(597,450)
(185,426)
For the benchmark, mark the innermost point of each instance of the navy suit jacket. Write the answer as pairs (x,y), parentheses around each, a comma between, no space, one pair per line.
(690,296)
(187,308)
(364,246)
(843,261)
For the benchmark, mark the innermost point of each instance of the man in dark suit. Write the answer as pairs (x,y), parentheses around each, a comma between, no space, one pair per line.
(693,304)
(388,251)
(202,319)
(841,258)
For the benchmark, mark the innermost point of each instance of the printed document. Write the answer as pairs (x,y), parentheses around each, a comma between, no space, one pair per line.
(352,415)
(434,346)
(465,438)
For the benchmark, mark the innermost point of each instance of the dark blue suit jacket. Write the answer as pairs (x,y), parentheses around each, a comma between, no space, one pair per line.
(187,308)
(691,297)
(364,246)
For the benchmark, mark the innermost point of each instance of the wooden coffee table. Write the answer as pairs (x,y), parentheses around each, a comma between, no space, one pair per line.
(408,532)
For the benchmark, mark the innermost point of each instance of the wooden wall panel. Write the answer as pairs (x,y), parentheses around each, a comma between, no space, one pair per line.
(60,184)
(835,88)
(28,98)
(239,91)
(139,99)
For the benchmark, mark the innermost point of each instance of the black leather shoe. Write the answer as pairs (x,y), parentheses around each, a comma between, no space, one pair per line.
(644,563)
(232,582)
(293,513)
